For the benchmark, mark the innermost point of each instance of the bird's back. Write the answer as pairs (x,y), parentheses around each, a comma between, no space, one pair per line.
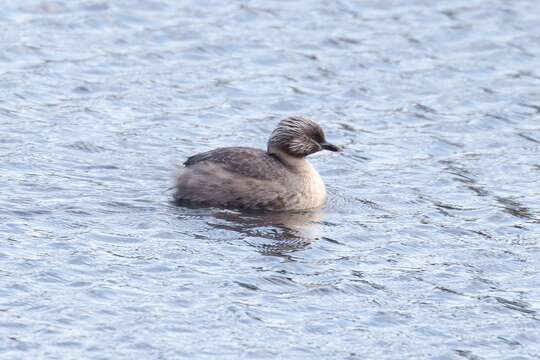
(237,177)
(244,161)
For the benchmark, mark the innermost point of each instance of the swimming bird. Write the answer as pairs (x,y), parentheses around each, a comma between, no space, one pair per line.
(279,178)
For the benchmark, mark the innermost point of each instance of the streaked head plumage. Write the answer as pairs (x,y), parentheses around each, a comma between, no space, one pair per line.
(299,137)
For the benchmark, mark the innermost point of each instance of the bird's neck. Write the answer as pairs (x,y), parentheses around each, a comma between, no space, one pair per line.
(308,182)
(297,164)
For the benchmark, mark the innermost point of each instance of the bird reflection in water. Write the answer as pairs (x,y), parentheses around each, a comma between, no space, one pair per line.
(273,233)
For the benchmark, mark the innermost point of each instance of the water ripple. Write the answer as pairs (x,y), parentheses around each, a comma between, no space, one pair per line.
(428,246)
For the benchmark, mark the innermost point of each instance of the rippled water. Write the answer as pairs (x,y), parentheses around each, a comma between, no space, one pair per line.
(428,246)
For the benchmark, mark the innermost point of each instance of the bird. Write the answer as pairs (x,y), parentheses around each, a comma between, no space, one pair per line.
(278,179)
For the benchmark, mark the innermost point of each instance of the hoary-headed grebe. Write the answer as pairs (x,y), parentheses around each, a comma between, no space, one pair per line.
(241,177)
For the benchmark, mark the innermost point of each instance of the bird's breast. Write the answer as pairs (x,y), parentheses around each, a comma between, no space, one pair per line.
(313,189)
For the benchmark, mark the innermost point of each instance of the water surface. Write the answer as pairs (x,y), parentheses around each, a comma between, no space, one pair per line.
(428,246)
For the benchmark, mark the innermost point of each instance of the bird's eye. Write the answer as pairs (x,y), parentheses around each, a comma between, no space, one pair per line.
(318,137)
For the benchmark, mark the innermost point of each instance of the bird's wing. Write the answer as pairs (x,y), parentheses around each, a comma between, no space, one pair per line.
(245,161)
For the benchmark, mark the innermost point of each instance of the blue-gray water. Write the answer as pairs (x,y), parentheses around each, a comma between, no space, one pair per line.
(428,246)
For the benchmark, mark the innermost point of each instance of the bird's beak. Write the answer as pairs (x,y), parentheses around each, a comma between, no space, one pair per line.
(330,147)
